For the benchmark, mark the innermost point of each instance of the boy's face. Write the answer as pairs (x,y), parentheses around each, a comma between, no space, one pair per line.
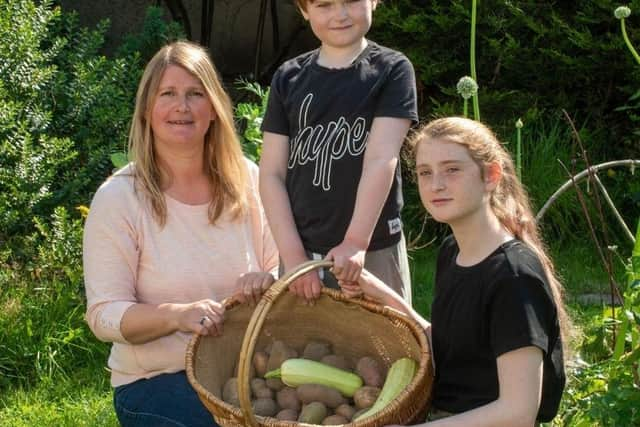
(340,23)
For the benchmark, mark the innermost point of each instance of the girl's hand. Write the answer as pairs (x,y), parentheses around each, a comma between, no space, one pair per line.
(368,285)
(351,289)
(251,286)
(204,317)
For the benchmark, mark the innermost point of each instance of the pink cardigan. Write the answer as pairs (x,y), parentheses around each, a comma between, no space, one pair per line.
(128,258)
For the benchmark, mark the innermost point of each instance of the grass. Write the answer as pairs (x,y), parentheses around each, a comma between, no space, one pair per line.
(423,271)
(83,399)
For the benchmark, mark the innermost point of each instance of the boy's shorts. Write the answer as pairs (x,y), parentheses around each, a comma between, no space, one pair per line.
(389,264)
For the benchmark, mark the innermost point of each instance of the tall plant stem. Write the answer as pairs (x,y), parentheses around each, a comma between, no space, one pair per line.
(519,152)
(476,103)
(465,108)
(628,42)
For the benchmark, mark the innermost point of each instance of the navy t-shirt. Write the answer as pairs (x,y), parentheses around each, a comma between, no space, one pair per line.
(483,311)
(327,114)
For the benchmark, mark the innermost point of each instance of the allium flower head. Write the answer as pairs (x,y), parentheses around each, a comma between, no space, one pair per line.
(519,124)
(622,12)
(467,87)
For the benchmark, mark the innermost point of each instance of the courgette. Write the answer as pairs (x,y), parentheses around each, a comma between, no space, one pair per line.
(295,372)
(398,378)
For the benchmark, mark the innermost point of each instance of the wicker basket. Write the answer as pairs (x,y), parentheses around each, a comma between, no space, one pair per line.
(354,327)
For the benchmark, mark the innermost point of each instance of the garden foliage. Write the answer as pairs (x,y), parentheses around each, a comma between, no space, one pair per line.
(64,108)
(605,384)
(533,59)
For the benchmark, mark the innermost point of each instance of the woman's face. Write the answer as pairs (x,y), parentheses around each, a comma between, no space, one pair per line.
(452,187)
(182,112)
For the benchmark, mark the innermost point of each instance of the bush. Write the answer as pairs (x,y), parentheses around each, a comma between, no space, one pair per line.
(534,59)
(64,108)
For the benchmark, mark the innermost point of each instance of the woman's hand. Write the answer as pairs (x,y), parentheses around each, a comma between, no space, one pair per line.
(204,317)
(251,286)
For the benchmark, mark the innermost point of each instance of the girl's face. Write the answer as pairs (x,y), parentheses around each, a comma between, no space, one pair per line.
(182,112)
(340,23)
(451,185)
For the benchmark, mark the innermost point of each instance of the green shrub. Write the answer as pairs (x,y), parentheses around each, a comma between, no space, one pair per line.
(533,60)
(248,116)
(64,108)
(543,55)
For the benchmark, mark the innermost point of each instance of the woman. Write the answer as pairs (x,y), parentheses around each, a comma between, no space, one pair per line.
(497,310)
(172,235)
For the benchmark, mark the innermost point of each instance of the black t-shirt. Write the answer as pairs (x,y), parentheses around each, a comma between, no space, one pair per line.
(327,114)
(481,312)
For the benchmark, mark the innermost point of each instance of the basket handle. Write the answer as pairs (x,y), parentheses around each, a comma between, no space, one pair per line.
(255,326)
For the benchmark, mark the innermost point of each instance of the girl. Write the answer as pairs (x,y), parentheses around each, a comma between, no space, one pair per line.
(497,311)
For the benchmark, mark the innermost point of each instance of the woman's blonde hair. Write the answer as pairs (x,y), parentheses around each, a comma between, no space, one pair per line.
(224,163)
(509,200)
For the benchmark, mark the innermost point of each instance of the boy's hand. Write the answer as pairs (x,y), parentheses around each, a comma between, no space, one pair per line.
(307,287)
(251,286)
(348,260)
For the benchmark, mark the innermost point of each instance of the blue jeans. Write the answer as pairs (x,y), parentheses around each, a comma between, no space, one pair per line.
(167,400)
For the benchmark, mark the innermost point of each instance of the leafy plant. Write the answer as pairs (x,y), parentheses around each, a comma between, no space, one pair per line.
(64,108)
(603,391)
(248,117)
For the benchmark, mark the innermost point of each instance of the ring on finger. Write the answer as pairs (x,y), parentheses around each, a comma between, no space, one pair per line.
(203,319)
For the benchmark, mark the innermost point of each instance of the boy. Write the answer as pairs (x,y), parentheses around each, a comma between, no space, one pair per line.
(329,174)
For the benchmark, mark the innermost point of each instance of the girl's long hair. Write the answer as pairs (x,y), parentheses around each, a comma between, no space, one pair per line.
(224,163)
(509,201)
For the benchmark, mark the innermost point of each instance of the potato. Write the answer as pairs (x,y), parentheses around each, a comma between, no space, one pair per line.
(230,392)
(275,384)
(260,360)
(316,350)
(264,407)
(366,396)
(257,384)
(279,353)
(313,413)
(371,372)
(319,393)
(336,361)
(346,411)
(287,415)
(334,420)
(264,392)
(287,398)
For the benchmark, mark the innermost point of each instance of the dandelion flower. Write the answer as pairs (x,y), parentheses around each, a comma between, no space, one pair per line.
(622,12)
(467,87)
